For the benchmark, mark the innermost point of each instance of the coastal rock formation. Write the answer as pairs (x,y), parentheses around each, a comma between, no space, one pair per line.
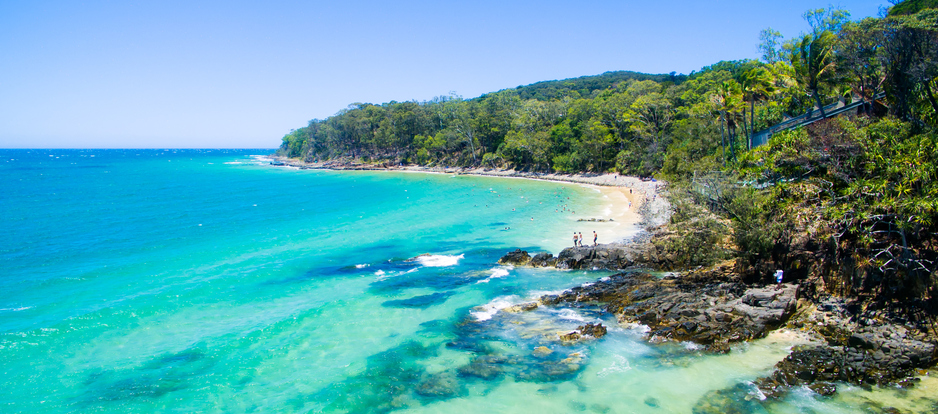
(858,351)
(708,308)
(594,331)
(638,252)
(543,260)
(517,257)
(603,256)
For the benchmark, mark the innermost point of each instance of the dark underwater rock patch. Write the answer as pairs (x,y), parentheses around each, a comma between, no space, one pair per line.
(423,301)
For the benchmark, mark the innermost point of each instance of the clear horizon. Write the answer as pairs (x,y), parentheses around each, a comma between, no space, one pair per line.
(239,75)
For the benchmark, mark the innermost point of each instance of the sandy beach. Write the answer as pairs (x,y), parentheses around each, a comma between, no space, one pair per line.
(629,204)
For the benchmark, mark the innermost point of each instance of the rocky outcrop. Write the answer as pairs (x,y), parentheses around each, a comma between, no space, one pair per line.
(589,330)
(598,257)
(517,257)
(858,351)
(603,256)
(543,260)
(709,308)
(638,252)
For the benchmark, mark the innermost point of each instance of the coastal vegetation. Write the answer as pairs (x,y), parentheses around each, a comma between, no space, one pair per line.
(847,204)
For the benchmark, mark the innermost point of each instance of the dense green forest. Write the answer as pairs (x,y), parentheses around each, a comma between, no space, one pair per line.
(643,124)
(849,201)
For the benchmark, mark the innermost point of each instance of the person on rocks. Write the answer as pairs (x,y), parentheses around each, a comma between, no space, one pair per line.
(581,239)
(575,238)
(595,237)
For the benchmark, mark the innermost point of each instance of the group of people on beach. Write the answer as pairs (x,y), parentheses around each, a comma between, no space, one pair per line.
(578,239)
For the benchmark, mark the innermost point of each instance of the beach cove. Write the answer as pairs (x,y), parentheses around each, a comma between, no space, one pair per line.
(142,281)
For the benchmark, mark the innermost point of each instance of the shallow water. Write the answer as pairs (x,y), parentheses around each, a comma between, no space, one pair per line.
(207,281)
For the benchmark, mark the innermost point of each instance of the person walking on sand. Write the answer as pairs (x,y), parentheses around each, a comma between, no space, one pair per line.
(595,236)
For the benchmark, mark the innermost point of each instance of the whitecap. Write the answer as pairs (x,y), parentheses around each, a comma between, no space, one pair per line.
(22,308)
(485,312)
(438,260)
(234,162)
(381,275)
(497,272)
(362,266)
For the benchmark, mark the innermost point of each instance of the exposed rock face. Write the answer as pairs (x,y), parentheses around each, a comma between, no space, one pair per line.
(606,256)
(517,257)
(866,353)
(543,260)
(712,308)
(637,253)
(595,331)
(603,256)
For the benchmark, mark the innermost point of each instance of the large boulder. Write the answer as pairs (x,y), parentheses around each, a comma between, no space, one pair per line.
(517,257)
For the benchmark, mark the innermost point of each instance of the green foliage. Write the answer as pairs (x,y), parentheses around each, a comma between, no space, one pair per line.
(698,237)
(909,7)
(871,183)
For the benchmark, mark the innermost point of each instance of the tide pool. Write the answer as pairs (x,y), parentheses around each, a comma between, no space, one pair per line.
(209,281)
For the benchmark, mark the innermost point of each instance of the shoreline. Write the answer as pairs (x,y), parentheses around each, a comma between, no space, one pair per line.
(881,353)
(633,213)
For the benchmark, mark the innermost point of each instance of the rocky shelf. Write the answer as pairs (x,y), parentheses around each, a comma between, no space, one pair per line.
(716,308)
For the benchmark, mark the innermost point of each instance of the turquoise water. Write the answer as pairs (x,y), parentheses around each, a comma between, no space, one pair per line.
(208,281)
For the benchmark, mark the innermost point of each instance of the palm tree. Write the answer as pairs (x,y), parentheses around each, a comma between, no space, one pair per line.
(727,100)
(813,61)
(757,84)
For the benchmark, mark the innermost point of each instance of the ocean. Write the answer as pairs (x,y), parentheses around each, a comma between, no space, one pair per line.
(209,281)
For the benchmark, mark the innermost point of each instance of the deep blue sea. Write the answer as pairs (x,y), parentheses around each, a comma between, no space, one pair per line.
(209,281)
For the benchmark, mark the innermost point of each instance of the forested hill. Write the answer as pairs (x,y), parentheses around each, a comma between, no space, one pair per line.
(587,86)
(645,124)
(850,203)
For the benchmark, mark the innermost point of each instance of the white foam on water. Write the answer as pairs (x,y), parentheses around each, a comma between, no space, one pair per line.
(487,311)
(756,392)
(262,158)
(439,260)
(234,162)
(604,279)
(15,309)
(536,294)
(362,266)
(497,272)
(637,327)
(620,364)
(570,314)
(380,273)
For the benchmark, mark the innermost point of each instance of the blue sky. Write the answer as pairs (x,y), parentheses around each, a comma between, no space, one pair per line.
(234,74)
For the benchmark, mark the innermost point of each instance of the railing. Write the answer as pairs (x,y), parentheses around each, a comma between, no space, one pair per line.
(762,137)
